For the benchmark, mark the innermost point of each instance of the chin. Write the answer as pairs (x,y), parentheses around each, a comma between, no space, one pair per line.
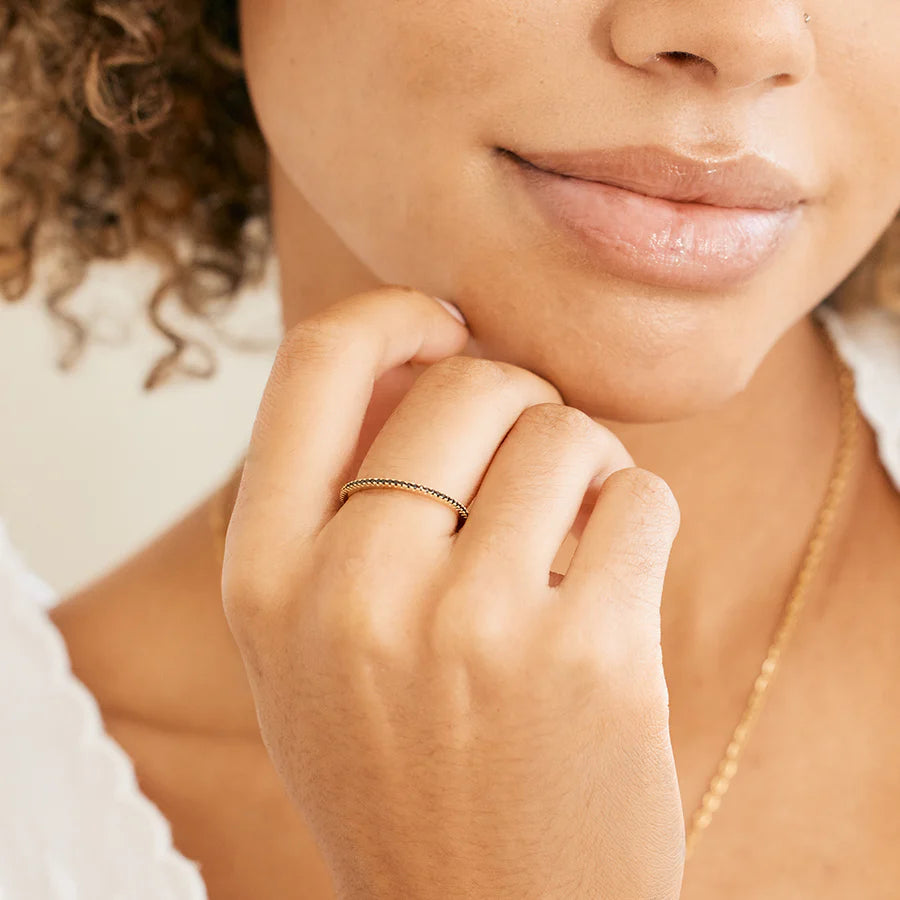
(623,387)
(634,368)
(629,398)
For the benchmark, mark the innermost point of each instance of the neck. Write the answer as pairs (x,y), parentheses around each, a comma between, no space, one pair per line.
(749,475)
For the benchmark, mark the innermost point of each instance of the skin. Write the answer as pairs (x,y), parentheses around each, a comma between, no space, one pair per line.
(412,681)
(398,184)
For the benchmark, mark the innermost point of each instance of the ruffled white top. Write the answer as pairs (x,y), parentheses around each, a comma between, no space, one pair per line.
(74,824)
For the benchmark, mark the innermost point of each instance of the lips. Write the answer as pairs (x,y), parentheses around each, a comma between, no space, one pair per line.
(648,215)
(750,181)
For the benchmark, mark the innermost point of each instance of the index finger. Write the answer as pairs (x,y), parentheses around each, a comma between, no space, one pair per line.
(314,403)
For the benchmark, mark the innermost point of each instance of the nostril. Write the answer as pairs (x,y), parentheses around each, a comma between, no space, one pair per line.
(680,54)
(685,58)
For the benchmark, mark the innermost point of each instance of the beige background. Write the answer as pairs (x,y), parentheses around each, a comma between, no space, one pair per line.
(92,465)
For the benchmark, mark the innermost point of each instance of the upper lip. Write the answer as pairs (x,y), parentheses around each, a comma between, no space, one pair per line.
(749,181)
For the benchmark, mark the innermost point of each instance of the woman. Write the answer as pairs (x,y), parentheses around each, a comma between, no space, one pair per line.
(424,699)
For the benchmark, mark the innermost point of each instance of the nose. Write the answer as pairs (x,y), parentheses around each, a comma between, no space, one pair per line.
(726,44)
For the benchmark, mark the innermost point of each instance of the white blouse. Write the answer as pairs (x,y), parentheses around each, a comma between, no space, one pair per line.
(73,822)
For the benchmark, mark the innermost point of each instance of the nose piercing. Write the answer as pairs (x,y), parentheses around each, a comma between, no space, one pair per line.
(805,17)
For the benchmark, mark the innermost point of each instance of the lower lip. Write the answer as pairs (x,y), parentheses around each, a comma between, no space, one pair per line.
(685,245)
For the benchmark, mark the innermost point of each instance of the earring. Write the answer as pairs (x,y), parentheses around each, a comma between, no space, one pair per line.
(806,17)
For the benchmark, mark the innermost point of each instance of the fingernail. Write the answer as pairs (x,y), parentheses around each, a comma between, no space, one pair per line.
(452,309)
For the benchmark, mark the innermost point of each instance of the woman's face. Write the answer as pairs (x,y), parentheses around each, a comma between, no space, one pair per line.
(390,117)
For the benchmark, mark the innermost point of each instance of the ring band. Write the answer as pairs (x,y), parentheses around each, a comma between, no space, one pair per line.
(362,484)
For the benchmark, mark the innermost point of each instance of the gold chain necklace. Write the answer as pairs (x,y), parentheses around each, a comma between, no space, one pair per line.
(223,502)
(843,463)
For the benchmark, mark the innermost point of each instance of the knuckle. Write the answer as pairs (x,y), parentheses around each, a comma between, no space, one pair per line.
(651,492)
(634,654)
(468,373)
(573,646)
(473,375)
(354,628)
(345,573)
(350,627)
(595,655)
(353,616)
(600,648)
(255,609)
(247,594)
(635,665)
(561,423)
(243,611)
(313,340)
(480,634)
(616,651)
(488,632)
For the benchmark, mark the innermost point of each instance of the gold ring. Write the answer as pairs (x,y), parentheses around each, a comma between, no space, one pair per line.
(362,484)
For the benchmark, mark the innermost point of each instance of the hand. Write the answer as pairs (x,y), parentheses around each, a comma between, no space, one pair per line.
(450,719)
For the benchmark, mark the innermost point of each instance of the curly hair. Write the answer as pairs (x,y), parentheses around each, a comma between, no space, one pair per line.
(127,126)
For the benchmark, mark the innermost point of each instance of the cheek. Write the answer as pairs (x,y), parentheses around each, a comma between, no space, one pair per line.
(304,67)
(333,76)
(361,102)
(860,101)
(377,113)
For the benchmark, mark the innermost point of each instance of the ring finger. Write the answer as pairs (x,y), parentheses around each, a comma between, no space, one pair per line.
(442,435)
